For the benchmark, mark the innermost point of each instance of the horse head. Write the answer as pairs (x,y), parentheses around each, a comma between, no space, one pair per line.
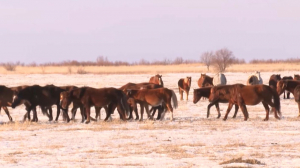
(281,86)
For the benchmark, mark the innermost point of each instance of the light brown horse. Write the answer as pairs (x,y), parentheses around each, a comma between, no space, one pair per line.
(247,95)
(205,92)
(184,85)
(111,97)
(157,79)
(154,97)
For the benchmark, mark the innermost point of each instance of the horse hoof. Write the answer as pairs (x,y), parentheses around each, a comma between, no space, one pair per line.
(224,119)
(87,122)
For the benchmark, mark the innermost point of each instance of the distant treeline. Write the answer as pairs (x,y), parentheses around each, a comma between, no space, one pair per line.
(103,61)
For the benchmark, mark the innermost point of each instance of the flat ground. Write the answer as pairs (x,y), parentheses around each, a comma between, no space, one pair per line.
(192,140)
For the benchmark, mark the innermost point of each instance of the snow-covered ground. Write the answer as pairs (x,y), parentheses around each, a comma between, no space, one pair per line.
(192,140)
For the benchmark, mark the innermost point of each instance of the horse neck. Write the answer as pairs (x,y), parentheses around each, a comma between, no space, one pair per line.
(204,92)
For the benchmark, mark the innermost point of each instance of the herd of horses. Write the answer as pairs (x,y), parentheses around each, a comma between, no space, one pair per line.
(149,94)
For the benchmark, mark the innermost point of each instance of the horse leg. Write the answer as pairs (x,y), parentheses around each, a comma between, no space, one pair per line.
(88,113)
(98,113)
(110,108)
(142,111)
(170,108)
(73,112)
(187,95)
(228,110)
(50,116)
(160,111)
(121,112)
(148,113)
(299,109)
(267,110)
(181,93)
(35,118)
(236,110)
(209,106)
(284,94)
(218,109)
(7,113)
(82,112)
(288,94)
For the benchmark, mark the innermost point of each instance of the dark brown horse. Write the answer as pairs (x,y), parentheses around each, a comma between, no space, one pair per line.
(205,81)
(184,85)
(296,77)
(273,80)
(39,96)
(111,97)
(6,98)
(247,95)
(287,92)
(157,79)
(288,85)
(205,92)
(297,97)
(154,97)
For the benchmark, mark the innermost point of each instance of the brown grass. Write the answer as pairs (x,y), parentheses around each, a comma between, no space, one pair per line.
(150,69)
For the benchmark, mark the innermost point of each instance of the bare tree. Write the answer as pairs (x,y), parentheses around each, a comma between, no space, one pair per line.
(206,58)
(222,59)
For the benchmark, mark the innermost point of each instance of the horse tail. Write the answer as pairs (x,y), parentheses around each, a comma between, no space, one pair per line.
(174,99)
(276,101)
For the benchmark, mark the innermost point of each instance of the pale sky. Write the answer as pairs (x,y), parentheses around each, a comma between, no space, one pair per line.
(128,30)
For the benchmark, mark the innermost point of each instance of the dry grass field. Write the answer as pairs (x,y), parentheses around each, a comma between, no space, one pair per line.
(148,69)
(191,140)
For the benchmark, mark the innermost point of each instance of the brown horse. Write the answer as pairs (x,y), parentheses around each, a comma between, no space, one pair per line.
(157,80)
(6,98)
(39,96)
(287,92)
(132,107)
(144,85)
(137,86)
(252,80)
(111,97)
(205,81)
(205,92)
(184,85)
(247,95)
(297,97)
(288,85)
(154,97)
(273,80)
(296,77)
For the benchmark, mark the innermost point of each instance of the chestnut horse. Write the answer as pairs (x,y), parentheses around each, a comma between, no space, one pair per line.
(297,97)
(247,95)
(154,97)
(205,81)
(184,85)
(218,79)
(138,86)
(273,81)
(111,97)
(157,80)
(287,92)
(205,92)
